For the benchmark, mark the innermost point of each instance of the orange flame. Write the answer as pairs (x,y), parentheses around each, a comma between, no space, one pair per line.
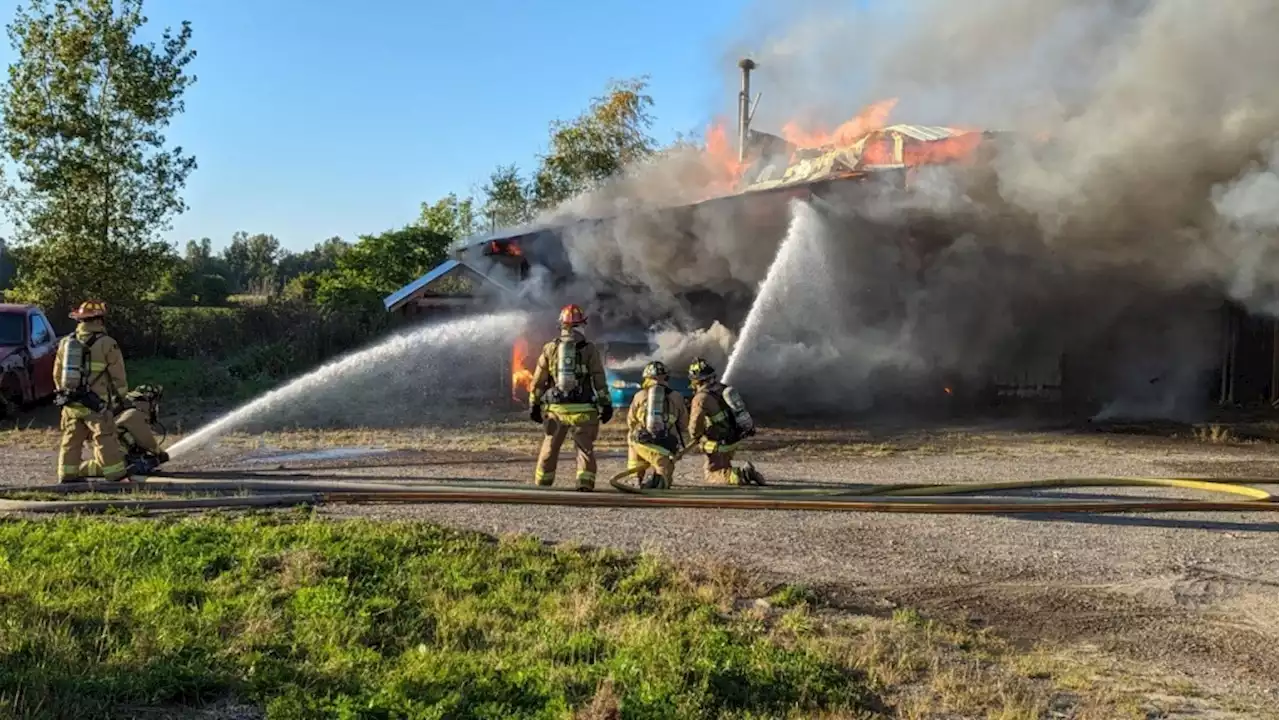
(505,247)
(946,390)
(722,157)
(957,147)
(521,376)
(871,118)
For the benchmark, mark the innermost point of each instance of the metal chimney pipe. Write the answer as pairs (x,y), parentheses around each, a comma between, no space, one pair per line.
(744,106)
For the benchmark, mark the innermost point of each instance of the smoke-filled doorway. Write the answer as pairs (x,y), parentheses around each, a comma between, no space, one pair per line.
(1247,377)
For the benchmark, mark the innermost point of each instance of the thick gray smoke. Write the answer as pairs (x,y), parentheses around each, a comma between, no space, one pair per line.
(677,348)
(1134,184)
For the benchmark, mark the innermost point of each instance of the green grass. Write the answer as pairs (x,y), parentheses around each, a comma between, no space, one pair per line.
(356,619)
(189,379)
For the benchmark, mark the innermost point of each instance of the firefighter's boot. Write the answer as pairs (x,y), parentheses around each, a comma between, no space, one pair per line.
(752,476)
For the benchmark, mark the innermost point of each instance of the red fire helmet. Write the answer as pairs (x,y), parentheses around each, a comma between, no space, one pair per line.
(572,315)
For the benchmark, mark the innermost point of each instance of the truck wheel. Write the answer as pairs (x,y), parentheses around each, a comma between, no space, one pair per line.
(10,396)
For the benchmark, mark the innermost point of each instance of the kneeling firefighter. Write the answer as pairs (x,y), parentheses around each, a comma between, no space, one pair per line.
(569,395)
(135,416)
(718,419)
(89,376)
(656,427)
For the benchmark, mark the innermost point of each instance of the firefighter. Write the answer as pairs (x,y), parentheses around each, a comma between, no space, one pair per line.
(568,395)
(133,419)
(715,424)
(133,416)
(89,376)
(657,424)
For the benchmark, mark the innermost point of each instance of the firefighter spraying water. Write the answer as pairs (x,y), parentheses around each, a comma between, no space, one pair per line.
(719,418)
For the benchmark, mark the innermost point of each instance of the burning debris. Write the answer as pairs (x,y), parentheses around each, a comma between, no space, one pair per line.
(860,145)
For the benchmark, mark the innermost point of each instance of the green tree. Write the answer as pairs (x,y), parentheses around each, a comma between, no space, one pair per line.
(253,262)
(324,256)
(599,143)
(377,265)
(199,254)
(201,260)
(507,198)
(6,265)
(450,217)
(85,106)
(301,288)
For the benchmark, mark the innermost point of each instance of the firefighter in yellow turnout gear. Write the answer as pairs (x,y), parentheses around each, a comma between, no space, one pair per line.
(657,425)
(134,420)
(569,396)
(133,416)
(718,421)
(89,375)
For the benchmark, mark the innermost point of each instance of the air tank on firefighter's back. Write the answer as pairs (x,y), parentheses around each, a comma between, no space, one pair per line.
(654,421)
(741,417)
(566,378)
(73,363)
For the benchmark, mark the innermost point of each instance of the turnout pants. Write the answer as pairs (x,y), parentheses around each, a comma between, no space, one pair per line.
(719,469)
(134,422)
(584,443)
(80,426)
(646,456)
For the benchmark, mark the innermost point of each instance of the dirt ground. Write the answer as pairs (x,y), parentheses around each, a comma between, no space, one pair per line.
(1188,597)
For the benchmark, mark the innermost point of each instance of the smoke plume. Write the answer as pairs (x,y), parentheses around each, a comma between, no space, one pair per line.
(1133,183)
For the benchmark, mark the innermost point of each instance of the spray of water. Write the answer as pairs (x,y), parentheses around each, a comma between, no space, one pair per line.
(430,367)
(786,270)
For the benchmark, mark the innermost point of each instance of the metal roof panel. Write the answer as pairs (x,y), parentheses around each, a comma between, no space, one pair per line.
(401,296)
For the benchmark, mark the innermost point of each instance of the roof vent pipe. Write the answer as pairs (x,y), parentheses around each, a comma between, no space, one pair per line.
(745,108)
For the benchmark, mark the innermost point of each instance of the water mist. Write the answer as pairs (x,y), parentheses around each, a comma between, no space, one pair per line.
(795,267)
(414,375)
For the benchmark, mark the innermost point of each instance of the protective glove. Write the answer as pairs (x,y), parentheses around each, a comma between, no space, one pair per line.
(535,413)
(606,413)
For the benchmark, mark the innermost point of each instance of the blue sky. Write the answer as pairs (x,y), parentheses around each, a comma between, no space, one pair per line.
(312,118)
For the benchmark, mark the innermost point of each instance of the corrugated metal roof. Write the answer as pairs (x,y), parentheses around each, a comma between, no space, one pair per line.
(924,133)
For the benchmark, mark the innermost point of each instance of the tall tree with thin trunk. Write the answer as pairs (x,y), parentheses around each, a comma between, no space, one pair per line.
(94,182)
(610,135)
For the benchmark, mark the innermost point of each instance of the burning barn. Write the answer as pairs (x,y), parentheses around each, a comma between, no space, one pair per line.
(882,294)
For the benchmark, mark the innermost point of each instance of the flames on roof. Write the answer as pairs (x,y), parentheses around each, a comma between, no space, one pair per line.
(861,144)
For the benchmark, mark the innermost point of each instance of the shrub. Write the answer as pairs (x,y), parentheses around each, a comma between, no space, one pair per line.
(297,335)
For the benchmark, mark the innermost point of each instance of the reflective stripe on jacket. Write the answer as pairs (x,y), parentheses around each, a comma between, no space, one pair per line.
(574,414)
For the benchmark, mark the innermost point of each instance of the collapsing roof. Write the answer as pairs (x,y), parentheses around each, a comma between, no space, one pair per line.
(778,163)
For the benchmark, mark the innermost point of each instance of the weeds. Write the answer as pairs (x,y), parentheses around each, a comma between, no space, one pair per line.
(1215,434)
(792,595)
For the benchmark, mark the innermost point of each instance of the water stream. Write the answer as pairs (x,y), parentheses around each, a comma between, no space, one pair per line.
(789,270)
(427,369)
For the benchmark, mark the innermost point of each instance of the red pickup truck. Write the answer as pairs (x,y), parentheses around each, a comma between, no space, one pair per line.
(28,346)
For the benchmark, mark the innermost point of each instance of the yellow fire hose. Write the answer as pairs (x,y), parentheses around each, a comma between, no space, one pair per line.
(916,498)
